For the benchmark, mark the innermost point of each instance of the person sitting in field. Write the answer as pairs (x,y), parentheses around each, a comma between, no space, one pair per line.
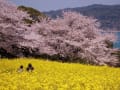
(20,69)
(30,68)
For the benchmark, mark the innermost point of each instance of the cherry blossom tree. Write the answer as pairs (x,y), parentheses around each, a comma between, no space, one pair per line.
(77,38)
(12,26)
(72,37)
(10,15)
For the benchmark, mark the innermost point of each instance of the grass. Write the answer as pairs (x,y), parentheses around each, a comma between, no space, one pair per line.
(57,76)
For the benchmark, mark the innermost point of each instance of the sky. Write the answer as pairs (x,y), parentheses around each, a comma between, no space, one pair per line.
(48,5)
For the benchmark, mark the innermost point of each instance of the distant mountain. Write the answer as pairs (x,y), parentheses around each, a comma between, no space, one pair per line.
(107,15)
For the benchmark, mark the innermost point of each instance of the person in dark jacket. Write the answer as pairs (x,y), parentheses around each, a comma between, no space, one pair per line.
(30,68)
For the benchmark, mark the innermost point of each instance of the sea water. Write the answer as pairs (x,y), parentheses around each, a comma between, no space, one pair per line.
(117,43)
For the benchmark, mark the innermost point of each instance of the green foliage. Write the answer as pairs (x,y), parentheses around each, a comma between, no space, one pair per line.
(34,14)
(28,21)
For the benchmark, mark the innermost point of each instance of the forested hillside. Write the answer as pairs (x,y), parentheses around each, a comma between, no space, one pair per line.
(34,14)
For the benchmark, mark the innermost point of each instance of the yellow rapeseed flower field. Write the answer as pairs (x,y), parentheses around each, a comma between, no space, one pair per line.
(49,75)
